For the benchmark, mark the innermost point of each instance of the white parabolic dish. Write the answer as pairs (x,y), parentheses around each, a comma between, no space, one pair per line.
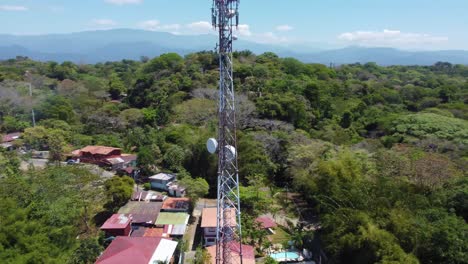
(212,145)
(230,152)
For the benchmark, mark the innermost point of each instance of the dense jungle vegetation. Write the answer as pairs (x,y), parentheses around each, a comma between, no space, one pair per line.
(379,154)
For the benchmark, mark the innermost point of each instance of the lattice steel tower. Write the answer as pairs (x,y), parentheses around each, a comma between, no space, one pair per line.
(225,16)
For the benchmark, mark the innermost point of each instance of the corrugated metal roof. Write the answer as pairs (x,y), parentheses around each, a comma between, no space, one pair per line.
(164,252)
(172,218)
(142,212)
(136,250)
(162,176)
(155,232)
(178,230)
(115,160)
(176,203)
(266,222)
(209,217)
(117,221)
(102,150)
(128,157)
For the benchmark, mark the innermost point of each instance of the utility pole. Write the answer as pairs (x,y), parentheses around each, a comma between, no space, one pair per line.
(225,17)
(28,77)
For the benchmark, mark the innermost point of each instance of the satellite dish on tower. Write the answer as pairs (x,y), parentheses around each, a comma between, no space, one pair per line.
(230,152)
(212,145)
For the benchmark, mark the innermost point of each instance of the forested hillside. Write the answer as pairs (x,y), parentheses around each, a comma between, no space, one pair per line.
(379,154)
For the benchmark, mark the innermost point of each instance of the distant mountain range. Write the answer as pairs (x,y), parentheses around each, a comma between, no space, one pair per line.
(118,44)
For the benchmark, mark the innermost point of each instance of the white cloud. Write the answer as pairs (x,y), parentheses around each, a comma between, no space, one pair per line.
(243,30)
(203,27)
(269,38)
(123,2)
(104,22)
(200,27)
(390,38)
(12,8)
(155,25)
(151,25)
(284,28)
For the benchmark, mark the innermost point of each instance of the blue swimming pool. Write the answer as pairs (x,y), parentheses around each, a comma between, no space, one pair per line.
(285,255)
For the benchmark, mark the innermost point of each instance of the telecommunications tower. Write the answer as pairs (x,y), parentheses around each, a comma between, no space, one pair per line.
(225,16)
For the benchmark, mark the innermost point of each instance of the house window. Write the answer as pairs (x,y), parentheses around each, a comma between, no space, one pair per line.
(210,240)
(212,229)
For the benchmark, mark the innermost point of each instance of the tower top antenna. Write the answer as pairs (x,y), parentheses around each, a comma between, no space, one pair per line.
(225,16)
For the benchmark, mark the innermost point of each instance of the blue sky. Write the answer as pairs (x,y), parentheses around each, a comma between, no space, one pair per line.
(407,24)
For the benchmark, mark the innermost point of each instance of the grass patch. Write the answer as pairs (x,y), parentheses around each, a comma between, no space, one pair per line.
(280,236)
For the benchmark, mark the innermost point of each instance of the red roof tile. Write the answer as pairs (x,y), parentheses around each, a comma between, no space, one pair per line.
(266,222)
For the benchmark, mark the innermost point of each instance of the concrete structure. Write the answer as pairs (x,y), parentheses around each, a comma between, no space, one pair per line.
(209,222)
(118,225)
(161,181)
(138,250)
(175,190)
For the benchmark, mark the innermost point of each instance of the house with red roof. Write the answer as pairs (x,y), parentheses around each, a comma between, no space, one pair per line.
(248,253)
(118,225)
(267,223)
(11,137)
(209,222)
(138,250)
(98,155)
(8,140)
(103,156)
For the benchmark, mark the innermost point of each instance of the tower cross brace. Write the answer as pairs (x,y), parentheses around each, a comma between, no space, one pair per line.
(225,17)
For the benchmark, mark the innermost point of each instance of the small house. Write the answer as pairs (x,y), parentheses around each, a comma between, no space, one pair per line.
(209,223)
(176,190)
(161,181)
(174,224)
(118,225)
(130,160)
(98,155)
(116,163)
